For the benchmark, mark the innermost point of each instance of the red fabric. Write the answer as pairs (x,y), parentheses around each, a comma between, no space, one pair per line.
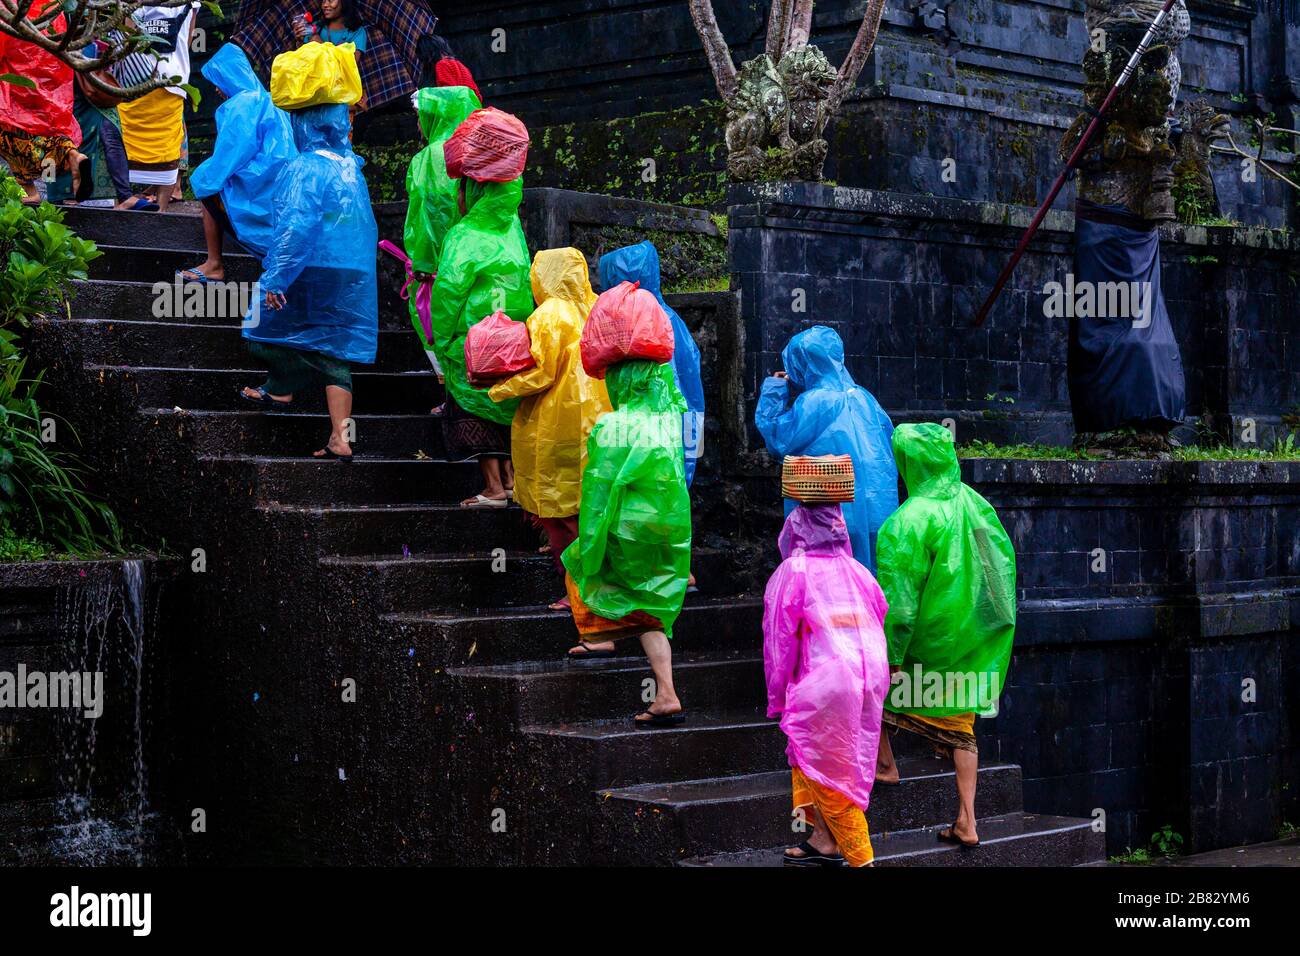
(627,322)
(450,72)
(560,533)
(46,109)
(496,348)
(490,147)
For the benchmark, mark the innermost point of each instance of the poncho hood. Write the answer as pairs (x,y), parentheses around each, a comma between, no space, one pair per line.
(815,359)
(561,274)
(442,108)
(231,73)
(321,127)
(638,263)
(815,529)
(643,385)
(927,460)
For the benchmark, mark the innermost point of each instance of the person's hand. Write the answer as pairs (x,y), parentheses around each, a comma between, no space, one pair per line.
(301,29)
(780,374)
(275,301)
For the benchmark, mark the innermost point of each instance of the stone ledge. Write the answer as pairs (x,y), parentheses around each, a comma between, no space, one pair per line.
(1261,476)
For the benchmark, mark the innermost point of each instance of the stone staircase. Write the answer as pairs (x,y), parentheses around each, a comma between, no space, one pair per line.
(471,739)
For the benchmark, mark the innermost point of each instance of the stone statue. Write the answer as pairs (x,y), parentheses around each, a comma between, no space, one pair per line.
(1202,128)
(1131,162)
(777,116)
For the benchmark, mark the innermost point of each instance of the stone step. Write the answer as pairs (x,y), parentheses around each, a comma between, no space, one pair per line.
(184,345)
(173,229)
(659,823)
(376,529)
(534,692)
(617,753)
(216,389)
(365,481)
(1013,839)
(294,434)
(713,624)
(445,581)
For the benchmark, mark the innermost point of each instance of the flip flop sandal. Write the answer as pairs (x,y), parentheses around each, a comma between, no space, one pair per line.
(264,400)
(588,654)
(482,501)
(194,275)
(332,456)
(812,857)
(87,180)
(143,205)
(951,837)
(658,721)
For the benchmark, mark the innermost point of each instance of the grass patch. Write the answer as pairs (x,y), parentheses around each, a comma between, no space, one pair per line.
(1282,451)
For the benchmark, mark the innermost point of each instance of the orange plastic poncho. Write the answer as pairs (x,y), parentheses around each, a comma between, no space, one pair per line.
(548,438)
(46,108)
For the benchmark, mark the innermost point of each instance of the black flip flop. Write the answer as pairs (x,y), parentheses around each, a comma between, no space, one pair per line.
(588,654)
(953,838)
(332,455)
(812,857)
(264,400)
(659,721)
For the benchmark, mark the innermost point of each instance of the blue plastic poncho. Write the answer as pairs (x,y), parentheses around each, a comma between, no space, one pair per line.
(640,263)
(820,410)
(322,257)
(254,142)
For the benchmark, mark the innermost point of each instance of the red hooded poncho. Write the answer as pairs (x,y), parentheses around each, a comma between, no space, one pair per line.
(451,72)
(46,109)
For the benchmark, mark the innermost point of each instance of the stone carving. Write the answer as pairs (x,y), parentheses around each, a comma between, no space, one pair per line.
(778,104)
(777,116)
(1203,127)
(1130,163)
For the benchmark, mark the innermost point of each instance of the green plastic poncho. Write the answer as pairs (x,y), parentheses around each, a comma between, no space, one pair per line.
(483,267)
(949,572)
(633,551)
(432,209)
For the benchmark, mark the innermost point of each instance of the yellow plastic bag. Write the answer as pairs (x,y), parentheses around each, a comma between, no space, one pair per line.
(315,74)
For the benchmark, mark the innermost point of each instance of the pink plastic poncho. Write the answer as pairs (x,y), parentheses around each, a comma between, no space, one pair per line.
(824,653)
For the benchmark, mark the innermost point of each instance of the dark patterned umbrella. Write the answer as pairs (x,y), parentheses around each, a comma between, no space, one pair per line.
(390,67)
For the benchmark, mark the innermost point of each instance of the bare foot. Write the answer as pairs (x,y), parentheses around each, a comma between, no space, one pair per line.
(963,833)
(821,841)
(337,445)
(255,395)
(473,501)
(584,648)
(662,707)
(562,605)
(215,271)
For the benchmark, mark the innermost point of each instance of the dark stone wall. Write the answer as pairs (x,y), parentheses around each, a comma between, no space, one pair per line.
(1126,692)
(901,278)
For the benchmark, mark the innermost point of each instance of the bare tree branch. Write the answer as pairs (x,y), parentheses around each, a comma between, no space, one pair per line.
(778,27)
(715,48)
(858,53)
(800,24)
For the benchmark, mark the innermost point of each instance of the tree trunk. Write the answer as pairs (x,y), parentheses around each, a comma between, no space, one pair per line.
(858,53)
(715,48)
(800,23)
(778,28)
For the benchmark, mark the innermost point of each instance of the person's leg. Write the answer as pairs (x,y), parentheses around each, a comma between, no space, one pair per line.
(508,474)
(968,765)
(214,235)
(164,197)
(658,650)
(119,171)
(490,466)
(560,533)
(886,766)
(820,839)
(339,402)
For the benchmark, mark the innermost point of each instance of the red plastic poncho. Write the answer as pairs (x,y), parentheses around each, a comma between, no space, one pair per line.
(46,109)
(626,322)
(490,147)
(452,72)
(496,348)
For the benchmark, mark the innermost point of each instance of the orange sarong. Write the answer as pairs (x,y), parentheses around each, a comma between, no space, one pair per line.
(589,622)
(846,821)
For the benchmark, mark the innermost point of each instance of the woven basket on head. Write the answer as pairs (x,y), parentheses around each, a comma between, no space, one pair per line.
(822,479)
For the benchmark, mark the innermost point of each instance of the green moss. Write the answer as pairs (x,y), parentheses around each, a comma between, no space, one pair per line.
(1284,450)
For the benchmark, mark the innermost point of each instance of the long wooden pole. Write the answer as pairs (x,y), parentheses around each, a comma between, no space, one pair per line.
(1075,158)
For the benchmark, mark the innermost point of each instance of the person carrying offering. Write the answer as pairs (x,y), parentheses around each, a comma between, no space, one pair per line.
(826,664)
(627,571)
(815,408)
(560,402)
(483,267)
(948,570)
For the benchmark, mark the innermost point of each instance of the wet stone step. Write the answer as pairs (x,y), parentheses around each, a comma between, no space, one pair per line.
(217,389)
(614,753)
(674,821)
(375,529)
(481,580)
(314,481)
(295,434)
(536,633)
(537,691)
(1013,839)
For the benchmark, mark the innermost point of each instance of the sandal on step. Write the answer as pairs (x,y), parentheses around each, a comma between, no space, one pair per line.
(659,720)
(264,400)
(483,501)
(812,857)
(588,653)
(332,455)
(949,835)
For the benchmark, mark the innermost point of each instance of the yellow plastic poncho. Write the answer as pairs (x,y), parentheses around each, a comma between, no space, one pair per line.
(548,438)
